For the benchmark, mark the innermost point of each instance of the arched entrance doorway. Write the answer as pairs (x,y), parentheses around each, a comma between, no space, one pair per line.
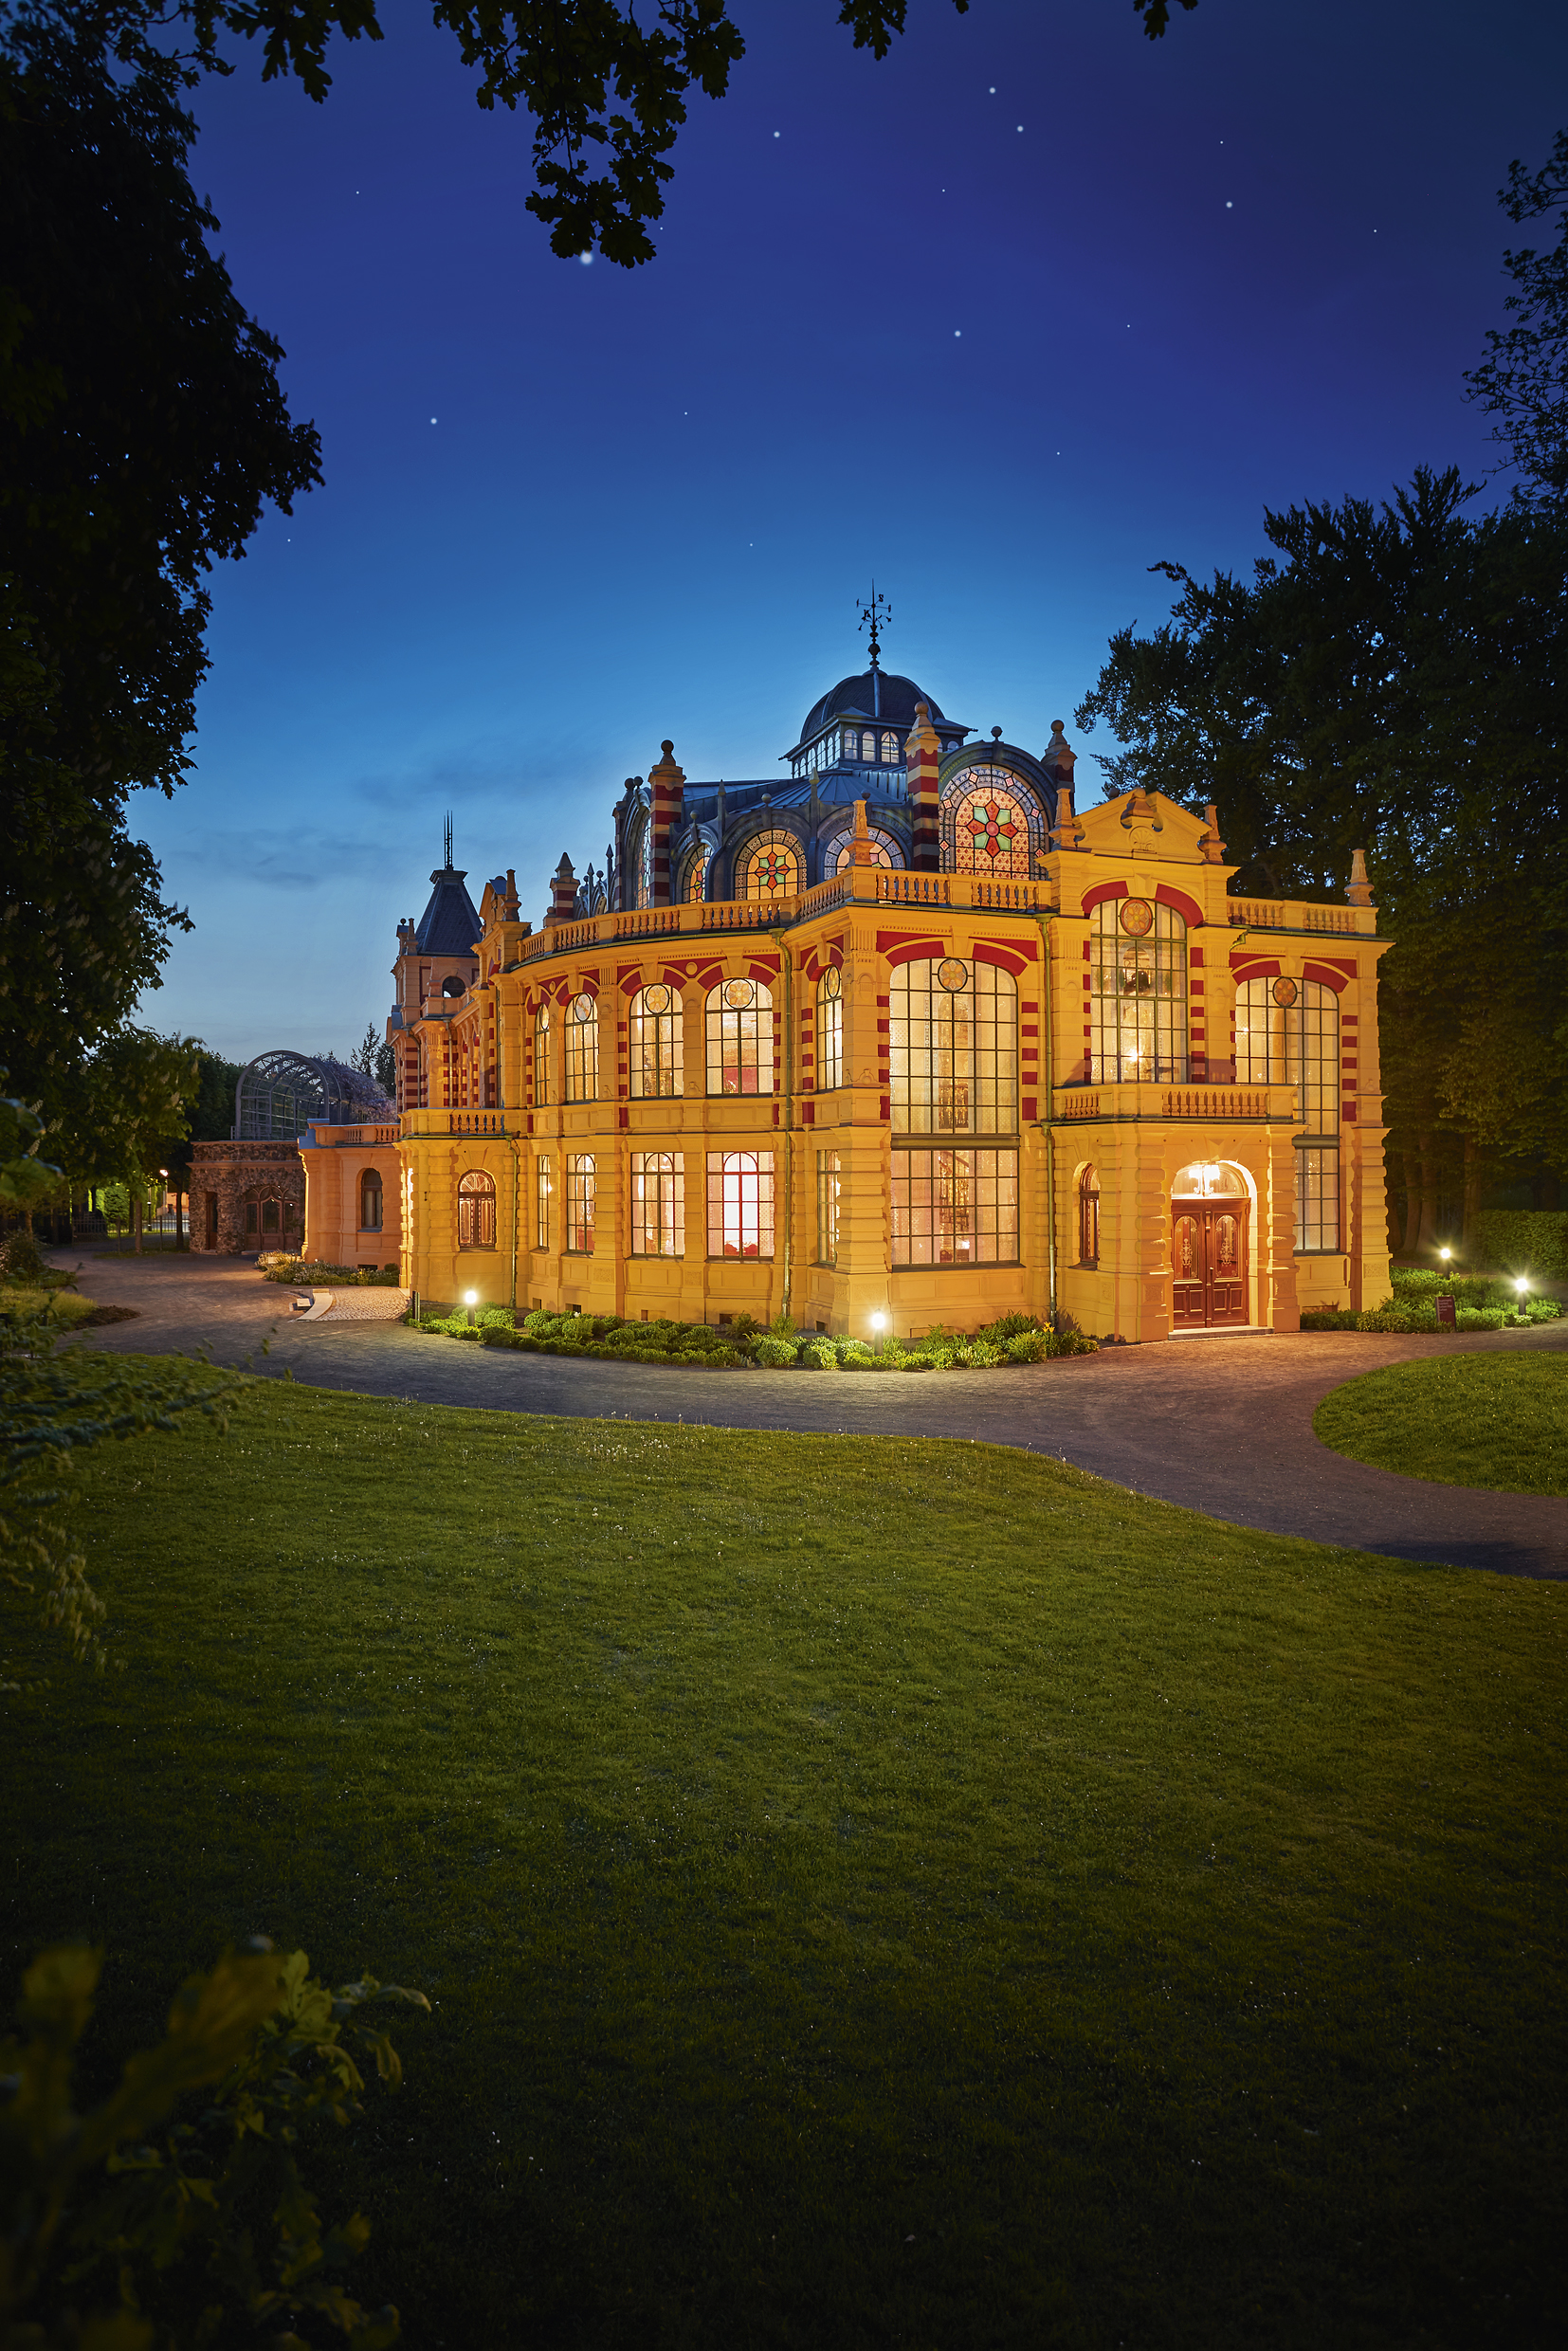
(1210,1217)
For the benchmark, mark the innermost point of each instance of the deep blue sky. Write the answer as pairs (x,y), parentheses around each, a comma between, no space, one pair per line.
(1005,369)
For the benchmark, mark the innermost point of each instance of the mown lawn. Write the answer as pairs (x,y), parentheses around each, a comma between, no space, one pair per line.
(1491,1420)
(874,1892)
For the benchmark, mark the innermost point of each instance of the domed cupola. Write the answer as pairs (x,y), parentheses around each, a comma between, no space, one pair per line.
(862,724)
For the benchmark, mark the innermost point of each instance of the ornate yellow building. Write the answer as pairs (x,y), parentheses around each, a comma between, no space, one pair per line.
(906,1037)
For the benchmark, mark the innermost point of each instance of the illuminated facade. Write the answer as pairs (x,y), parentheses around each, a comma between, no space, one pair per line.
(906,1035)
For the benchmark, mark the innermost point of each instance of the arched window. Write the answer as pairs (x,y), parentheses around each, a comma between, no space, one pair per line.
(869,744)
(1287,1032)
(830,1034)
(953,1039)
(271,1216)
(770,866)
(1138,994)
(476,1210)
(849,743)
(370,1201)
(889,747)
(658,1204)
(654,1036)
(828,1193)
(741,1038)
(741,1204)
(885,852)
(541,1056)
(582,1049)
(642,862)
(580,1185)
(1088,1217)
(988,821)
(694,875)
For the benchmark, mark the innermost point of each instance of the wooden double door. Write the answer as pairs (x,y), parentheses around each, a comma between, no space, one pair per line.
(1209,1263)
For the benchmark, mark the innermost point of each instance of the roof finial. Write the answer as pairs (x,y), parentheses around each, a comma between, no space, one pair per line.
(447,842)
(878,614)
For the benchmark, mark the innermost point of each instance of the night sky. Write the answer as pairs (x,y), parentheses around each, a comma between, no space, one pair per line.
(1002,321)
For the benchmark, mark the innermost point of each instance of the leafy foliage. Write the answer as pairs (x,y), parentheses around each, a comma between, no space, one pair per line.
(1523,379)
(122,2196)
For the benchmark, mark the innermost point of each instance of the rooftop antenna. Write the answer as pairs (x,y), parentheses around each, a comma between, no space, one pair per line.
(877,615)
(446,840)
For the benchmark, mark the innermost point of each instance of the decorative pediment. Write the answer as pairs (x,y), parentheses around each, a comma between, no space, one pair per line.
(1144,823)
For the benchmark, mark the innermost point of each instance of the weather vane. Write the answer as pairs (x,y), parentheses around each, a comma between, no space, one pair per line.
(447,841)
(876,614)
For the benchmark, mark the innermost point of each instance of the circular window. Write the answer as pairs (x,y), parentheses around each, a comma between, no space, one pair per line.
(740,994)
(583,1007)
(1137,917)
(453,986)
(953,974)
(830,982)
(1285,993)
(656,999)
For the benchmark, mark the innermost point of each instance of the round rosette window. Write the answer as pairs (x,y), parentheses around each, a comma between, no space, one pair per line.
(1137,917)
(656,999)
(583,1007)
(1285,993)
(830,982)
(953,974)
(740,995)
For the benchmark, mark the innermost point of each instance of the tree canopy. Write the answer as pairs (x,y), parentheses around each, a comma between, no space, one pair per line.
(1390,678)
(1523,379)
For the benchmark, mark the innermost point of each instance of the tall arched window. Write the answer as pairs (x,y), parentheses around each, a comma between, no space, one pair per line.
(541,1055)
(770,866)
(868,745)
(370,1201)
(829,1031)
(694,875)
(988,820)
(642,862)
(1287,1032)
(654,1035)
(889,747)
(1138,994)
(885,852)
(741,1038)
(476,1210)
(582,1049)
(953,1049)
(1088,1217)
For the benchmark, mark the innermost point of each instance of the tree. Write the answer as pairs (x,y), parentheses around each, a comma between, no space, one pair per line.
(376,1059)
(1523,378)
(143,429)
(1388,678)
(597,82)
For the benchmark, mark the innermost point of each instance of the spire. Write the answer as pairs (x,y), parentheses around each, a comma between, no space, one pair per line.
(447,843)
(878,614)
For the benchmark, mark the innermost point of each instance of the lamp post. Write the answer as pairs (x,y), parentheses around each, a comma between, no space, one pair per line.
(470,1298)
(878,1323)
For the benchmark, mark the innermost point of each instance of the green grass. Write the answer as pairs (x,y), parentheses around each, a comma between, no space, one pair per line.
(873,1892)
(1493,1420)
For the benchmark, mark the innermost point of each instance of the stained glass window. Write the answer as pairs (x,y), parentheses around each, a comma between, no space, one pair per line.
(830,1031)
(582,1049)
(889,747)
(954,1207)
(741,1038)
(988,817)
(1138,994)
(544,1201)
(580,1203)
(827,1207)
(541,1056)
(741,1204)
(476,1210)
(770,866)
(657,1205)
(694,878)
(885,852)
(953,1047)
(642,862)
(655,1034)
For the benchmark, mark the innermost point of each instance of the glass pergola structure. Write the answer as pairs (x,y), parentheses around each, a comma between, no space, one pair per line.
(280,1094)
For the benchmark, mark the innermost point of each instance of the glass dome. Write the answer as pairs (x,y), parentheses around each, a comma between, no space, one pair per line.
(280,1094)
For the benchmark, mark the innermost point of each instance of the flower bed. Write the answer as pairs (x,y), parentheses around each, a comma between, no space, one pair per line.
(1016,1339)
(1480,1304)
(275,1265)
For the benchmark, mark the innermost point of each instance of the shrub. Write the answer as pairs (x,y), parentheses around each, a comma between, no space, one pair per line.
(1480,1318)
(1028,1346)
(1523,1240)
(818,1354)
(1009,1326)
(774,1353)
(19,1258)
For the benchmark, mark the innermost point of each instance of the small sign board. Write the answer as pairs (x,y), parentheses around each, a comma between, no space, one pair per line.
(1447,1319)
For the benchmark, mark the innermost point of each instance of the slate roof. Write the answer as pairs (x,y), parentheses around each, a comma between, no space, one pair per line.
(449,923)
(853,697)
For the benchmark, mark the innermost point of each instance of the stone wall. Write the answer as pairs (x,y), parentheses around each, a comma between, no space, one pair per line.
(246,1197)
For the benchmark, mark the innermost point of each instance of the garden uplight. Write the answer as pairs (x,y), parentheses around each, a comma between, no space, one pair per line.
(1521,1285)
(1445,1255)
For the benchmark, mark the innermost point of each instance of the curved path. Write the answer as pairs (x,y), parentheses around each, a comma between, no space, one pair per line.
(1221,1425)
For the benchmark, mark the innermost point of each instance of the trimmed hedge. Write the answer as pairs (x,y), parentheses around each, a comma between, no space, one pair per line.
(1480,1304)
(1523,1240)
(1016,1339)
